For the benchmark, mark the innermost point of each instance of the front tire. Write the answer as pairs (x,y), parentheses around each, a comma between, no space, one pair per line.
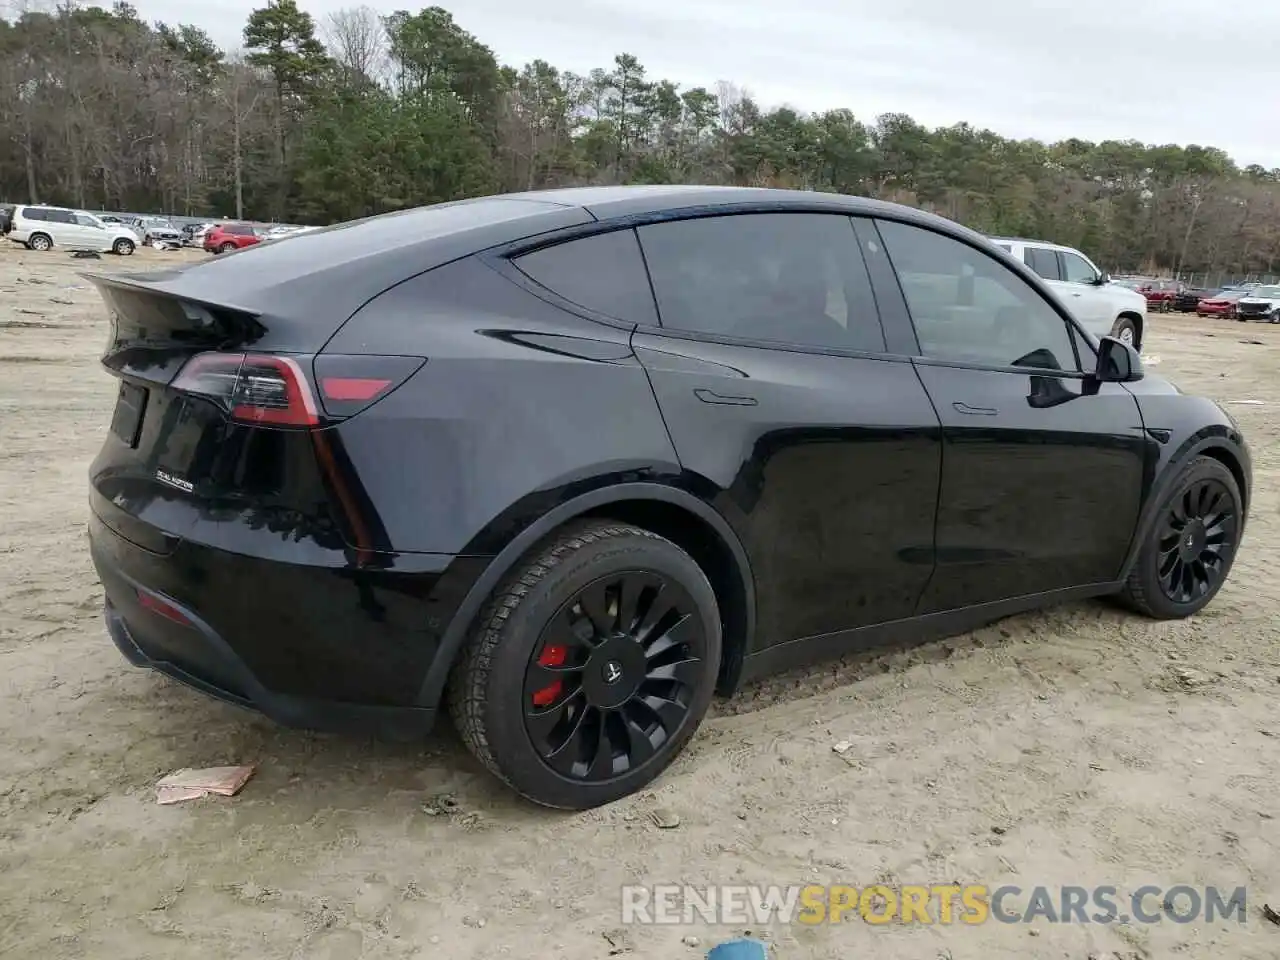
(40,242)
(123,247)
(591,667)
(1189,551)
(1126,329)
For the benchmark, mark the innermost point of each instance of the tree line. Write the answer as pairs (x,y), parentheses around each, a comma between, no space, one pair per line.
(361,114)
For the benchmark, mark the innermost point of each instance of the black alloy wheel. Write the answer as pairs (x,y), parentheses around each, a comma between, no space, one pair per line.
(613,676)
(591,667)
(1190,550)
(1196,538)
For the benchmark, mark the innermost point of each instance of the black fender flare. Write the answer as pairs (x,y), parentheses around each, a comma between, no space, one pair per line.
(1195,446)
(455,634)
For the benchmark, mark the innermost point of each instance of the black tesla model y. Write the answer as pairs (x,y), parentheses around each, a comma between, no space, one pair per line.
(567,463)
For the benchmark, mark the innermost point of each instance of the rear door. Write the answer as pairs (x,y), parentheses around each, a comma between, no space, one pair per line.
(1043,469)
(772,372)
(64,229)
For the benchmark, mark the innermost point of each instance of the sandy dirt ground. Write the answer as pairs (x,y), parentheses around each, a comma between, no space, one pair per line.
(1079,745)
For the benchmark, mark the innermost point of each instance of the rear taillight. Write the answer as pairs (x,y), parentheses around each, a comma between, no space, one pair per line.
(349,384)
(252,387)
(273,390)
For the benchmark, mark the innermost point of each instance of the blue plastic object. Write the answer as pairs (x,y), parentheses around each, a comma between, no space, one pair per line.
(743,949)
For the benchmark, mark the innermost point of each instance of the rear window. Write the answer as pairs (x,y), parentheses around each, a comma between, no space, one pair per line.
(795,278)
(604,273)
(1043,262)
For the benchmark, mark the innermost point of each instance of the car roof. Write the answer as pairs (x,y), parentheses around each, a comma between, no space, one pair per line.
(1035,243)
(607,203)
(338,268)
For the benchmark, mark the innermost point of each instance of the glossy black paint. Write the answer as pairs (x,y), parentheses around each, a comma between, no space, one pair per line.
(829,476)
(834,500)
(1035,496)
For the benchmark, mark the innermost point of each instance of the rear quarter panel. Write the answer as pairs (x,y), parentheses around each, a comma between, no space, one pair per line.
(519,407)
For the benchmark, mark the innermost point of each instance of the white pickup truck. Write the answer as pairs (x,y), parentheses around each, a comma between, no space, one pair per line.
(1103,308)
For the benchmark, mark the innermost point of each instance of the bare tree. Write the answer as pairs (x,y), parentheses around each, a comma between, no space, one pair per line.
(239,92)
(357,41)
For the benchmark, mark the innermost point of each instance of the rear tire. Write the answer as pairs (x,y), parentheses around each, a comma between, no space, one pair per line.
(226,247)
(591,666)
(40,242)
(1189,551)
(123,247)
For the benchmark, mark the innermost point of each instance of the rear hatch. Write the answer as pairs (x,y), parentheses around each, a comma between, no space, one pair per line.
(170,457)
(222,401)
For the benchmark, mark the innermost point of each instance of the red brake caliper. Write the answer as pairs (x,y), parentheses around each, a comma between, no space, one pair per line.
(552,656)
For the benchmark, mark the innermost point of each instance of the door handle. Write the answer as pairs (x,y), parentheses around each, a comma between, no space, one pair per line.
(959,407)
(710,396)
(1076,294)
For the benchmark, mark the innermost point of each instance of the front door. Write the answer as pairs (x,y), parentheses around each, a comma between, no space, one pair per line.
(1080,278)
(1043,467)
(821,451)
(90,234)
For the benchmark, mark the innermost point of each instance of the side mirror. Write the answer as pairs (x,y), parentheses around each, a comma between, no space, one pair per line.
(1118,362)
(1102,279)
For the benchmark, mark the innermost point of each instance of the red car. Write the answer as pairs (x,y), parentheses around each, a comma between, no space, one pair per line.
(1160,293)
(1220,304)
(230,236)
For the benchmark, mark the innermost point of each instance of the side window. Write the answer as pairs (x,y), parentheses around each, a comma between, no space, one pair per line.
(84,221)
(966,306)
(604,273)
(1077,270)
(61,216)
(796,278)
(1043,262)
(35,213)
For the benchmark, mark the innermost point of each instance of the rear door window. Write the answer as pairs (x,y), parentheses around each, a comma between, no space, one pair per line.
(1043,262)
(604,273)
(791,278)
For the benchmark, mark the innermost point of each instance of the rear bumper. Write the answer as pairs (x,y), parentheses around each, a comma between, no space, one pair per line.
(339,649)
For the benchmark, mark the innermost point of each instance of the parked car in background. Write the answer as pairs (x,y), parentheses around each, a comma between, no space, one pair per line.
(42,227)
(1160,292)
(1188,299)
(1260,303)
(193,234)
(225,237)
(583,458)
(1220,304)
(158,228)
(1103,308)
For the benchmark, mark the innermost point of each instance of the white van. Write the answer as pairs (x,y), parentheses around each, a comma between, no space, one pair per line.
(41,228)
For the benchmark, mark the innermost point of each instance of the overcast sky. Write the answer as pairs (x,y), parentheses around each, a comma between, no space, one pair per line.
(1160,71)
